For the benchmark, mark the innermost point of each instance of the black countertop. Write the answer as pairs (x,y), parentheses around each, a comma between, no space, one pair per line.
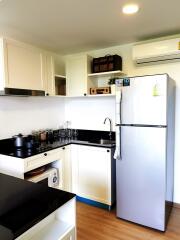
(23,204)
(85,137)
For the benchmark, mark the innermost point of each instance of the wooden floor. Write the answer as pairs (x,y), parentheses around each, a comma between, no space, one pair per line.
(98,224)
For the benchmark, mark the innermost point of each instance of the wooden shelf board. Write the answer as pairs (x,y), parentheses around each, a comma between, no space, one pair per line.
(87,96)
(60,76)
(101,95)
(106,73)
(92,96)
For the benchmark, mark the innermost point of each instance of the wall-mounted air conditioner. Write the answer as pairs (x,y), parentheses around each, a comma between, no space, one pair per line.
(157,51)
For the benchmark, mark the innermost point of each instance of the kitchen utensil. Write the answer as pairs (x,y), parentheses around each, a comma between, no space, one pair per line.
(50,135)
(75,132)
(43,136)
(29,142)
(56,134)
(19,140)
(68,132)
(62,133)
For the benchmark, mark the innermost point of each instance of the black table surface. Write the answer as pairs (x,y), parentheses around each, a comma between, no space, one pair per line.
(23,204)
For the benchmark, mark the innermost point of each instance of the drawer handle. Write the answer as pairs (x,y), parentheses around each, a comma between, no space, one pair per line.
(63,148)
(108,151)
(45,154)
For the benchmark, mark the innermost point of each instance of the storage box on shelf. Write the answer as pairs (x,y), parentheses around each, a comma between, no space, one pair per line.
(107,63)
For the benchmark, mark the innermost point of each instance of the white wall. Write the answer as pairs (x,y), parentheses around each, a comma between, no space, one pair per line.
(173,69)
(89,113)
(24,114)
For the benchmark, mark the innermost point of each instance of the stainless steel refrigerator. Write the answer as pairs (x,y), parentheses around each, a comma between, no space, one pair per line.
(145,149)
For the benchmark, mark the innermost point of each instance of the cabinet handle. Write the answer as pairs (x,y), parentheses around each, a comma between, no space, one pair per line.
(63,148)
(85,94)
(47,94)
(108,151)
(45,154)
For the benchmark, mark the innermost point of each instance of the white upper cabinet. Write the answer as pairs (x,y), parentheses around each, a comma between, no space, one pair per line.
(49,75)
(80,79)
(77,69)
(24,66)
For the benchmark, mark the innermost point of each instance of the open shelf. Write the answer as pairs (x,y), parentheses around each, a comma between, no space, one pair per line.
(110,73)
(60,85)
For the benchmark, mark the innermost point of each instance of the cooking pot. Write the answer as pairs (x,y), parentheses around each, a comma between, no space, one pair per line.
(19,140)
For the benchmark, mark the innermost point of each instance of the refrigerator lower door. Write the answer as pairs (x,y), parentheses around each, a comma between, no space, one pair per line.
(141,176)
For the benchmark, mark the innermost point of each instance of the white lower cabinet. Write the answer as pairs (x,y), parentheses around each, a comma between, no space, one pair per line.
(70,236)
(42,159)
(66,169)
(87,171)
(59,225)
(93,173)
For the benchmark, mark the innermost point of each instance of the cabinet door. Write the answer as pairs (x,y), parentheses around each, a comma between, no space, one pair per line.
(74,166)
(67,172)
(24,66)
(94,174)
(50,77)
(76,74)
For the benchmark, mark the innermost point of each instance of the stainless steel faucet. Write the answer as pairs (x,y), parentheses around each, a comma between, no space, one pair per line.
(110,125)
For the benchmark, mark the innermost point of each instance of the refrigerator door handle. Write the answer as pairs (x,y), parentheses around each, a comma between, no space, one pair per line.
(120,152)
(120,105)
(117,154)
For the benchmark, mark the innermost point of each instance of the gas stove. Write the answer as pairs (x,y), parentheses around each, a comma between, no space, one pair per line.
(28,152)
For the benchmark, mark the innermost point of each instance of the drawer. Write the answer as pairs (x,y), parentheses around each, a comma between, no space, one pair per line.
(42,159)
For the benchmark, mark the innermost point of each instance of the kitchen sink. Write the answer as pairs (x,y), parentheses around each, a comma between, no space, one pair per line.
(102,141)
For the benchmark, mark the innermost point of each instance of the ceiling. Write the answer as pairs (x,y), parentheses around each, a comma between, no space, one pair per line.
(69,26)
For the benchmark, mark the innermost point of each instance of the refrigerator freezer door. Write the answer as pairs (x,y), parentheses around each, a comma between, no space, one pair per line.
(144,101)
(141,176)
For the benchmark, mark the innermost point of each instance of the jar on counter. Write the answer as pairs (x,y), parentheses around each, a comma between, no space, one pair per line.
(43,136)
(36,138)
